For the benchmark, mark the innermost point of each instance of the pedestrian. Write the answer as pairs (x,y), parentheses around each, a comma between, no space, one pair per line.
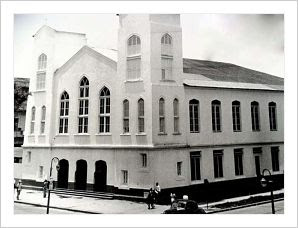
(173,197)
(157,191)
(45,188)
(150,199)
(19,189)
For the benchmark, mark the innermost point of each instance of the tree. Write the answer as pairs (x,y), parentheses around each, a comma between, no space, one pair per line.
(20,96)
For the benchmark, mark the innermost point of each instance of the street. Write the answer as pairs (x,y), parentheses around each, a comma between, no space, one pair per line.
(29,209)
(259,209)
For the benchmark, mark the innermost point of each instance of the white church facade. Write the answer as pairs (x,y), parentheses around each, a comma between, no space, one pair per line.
(150,117)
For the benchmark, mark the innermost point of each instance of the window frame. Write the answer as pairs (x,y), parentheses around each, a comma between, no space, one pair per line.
(32,123)
(124,177)
(126,116)
(255,116)
(272,116)
(216,116)
(275,158)
(218,164)
(83,112)
(144,160)
(179,168)
(64,113)
(195,166)
(162,116)
(141,116)
(194,126)
(43,119)
(104,111)
(238,162)
(176,116)
(236,116)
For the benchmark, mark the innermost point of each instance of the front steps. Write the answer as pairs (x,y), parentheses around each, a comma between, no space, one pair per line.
(82,193)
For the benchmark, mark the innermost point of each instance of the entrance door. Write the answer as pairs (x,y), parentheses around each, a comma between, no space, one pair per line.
(63,174)
(81,175)
(100,176)
(257,163)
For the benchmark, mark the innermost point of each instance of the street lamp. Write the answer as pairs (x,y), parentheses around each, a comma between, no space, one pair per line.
(265,182)
(51,181)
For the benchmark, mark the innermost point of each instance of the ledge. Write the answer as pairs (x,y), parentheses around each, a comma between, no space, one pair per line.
(83,134)
(125,134)
(103,134)
(177,133)
(141,134)
(162,133)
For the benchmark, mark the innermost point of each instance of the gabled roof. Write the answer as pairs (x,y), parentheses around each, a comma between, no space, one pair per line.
(228,72)
(46,26)
(86,49)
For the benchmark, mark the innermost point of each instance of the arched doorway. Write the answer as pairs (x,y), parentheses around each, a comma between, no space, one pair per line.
(81,175)
(100,176)
(63,174)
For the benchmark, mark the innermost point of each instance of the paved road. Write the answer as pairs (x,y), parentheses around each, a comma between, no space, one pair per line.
(260,209)
(29,209)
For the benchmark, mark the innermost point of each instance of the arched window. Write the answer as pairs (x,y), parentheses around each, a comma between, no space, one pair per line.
(32,120)
(42,62)
(255,116)
(176,115)
(162,124)
(194,116)
(64,112)
(236,116)
(43,119)
(141,116)
(133,58)
(104,110)
(125,116)
(83,105)
(272,116)
(216,115)
(166,57)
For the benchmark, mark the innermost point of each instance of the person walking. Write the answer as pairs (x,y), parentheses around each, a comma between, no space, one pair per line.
(157,192)
(19,189)
(150,199)
(45,188)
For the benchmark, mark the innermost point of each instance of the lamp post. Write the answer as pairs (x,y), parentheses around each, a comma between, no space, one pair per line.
(265,182)
(51,181)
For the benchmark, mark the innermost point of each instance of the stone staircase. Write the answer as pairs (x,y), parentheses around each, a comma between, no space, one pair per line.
(83,193)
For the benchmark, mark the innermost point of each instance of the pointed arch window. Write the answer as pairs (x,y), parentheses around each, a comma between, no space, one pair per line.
(104,110)
(32,120)
(236,116)
(64,113)
(216,115)
(125,116)
(162,124)
(272,116)
(194,116)
(42,62)
(141,116)
(83,105)
(176,115)
(255,116)
(43,120)
(166,57)
(133,58)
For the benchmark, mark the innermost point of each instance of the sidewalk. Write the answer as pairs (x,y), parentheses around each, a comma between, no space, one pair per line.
(99,206)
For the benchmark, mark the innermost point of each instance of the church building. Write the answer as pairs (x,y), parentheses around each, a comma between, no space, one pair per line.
(151,116)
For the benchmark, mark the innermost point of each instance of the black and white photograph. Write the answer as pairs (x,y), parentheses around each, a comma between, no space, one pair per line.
(149,113)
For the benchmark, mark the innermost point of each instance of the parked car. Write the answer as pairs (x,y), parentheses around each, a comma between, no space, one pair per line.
(181,206)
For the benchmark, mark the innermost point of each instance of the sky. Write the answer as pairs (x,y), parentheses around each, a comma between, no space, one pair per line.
(254,41)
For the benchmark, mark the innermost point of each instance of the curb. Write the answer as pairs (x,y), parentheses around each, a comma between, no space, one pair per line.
(244,206)
(59,208)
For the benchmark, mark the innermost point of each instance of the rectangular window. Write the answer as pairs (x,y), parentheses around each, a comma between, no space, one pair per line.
(216,121)
(238,161)
(176,115)
(40,80)
(83,116)
(17,159)
(275,158)
(194,116)
(16,123)
(166,68)
(144,160)
(125,116)
(217,162)
(162,128)
(28,156)
(179,168)
(195,165)
(40,173)
(124,177)
(133,68)
(141,117)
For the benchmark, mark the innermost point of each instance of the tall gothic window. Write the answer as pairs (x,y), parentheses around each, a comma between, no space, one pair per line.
(133,58)
(104,110)
(166,57)
(83,105)
(216,116)
(162,127)
(141,116)
(43,120)
(42,62)
(255,116)
(272,116)
(41,74)
(32,120)
(194,116)
(176,115)
(236,116)
(64,113)
(125,116)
